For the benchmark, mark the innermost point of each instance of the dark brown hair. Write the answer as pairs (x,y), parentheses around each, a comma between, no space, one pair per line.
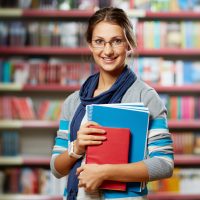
(112,15)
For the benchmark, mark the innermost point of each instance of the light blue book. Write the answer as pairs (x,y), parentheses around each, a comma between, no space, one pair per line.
(129,115)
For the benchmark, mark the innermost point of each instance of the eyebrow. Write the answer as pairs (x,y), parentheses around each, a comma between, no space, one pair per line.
(114,37)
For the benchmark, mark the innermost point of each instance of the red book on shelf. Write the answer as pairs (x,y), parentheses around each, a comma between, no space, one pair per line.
(114,150)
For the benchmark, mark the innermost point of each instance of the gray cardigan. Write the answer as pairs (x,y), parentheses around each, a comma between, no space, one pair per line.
(158,168)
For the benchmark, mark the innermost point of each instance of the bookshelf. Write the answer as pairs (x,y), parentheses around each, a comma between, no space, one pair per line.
(19,124)
(51,90)
(151,197)
(61,51)
(173,196)
(56,51)
(29,197)
(25,160)
(64,88)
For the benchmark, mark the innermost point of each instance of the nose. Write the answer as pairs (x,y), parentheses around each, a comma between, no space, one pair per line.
(108,50)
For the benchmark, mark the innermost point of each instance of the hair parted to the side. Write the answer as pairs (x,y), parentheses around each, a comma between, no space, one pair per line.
(115,16)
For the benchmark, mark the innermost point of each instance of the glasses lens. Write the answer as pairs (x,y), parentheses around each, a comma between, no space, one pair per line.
(98,43)
(101,43)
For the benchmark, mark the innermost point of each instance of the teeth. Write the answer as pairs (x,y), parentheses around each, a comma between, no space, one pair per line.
(108,59)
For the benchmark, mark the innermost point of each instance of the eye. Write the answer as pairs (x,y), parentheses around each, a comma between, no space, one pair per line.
(117,41)
(99,42)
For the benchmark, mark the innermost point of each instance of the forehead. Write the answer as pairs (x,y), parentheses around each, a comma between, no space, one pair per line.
(107,30)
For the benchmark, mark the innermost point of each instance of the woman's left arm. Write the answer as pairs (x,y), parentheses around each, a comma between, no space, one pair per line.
(160,160)
(91,176)
(158,165)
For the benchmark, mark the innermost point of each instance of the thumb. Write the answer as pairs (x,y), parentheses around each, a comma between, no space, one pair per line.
(79,170)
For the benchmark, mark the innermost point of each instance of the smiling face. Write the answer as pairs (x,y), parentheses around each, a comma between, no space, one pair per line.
(111,57)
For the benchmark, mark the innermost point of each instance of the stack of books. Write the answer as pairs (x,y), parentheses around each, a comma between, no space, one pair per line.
(126,126)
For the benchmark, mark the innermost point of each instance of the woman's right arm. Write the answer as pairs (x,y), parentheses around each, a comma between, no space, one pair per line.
(60,161)
(64,162)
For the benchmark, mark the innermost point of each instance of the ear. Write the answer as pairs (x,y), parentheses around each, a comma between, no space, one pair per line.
(129,52)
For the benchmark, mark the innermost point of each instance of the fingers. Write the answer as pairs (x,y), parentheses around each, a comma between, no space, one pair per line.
(89,130)
(92,137)
(90,140)
(90,123)
(88,135)
(81,182)
(79,170)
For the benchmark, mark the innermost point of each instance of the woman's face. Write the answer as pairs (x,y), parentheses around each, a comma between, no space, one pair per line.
(109,46)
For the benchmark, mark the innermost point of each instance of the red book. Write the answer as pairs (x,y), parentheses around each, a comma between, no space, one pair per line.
(114,150)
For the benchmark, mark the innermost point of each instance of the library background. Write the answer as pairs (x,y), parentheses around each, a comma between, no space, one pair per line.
(44,58)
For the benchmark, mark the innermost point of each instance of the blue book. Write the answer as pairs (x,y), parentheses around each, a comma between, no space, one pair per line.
(132,116)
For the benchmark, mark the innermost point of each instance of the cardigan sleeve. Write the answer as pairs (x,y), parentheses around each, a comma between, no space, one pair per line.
(62,138)
(160,158)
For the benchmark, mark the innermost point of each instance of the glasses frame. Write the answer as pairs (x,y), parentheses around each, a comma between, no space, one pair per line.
(110,43)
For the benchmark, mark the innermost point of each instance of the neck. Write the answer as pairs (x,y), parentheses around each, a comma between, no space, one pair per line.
(106,80)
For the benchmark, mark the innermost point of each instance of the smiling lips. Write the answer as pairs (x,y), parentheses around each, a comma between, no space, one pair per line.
(108,60)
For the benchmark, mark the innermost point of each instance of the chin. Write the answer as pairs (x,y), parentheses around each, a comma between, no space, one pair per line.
(111,68)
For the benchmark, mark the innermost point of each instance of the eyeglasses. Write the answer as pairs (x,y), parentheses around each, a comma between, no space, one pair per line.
(99,43)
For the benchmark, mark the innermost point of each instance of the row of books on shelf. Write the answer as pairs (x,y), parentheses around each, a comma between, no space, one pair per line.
(182,107)
(183,181)
(155,5)
(186,142)
(167,5)
(167,72)
(23,108)
(63,34)
(9,143)
(183,143)
(30,181)
(40,71)
(150,34)
(162,34)
(41,181)
(57,4)
(65,72)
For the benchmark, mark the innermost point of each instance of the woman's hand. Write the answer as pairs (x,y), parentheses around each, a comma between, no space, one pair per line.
(91,176)
(85,137)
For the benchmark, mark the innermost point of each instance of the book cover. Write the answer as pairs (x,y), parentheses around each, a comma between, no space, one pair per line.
(110,152)
(132,116)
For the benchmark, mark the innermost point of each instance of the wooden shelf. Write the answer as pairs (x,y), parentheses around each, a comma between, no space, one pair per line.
(173,15)
(44,160)
(187,160)
(10,12)
(50,87)
(75,13)
(18,124)
(63,88)
(157,196)
(38,13)
(12,87)
(171,89)
(184,124)
(173,196)
(28,197)
(24,160)
(168,52)
(54,51)
(6,87)
(41,13)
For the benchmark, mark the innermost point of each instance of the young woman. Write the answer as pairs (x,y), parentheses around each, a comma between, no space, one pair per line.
(110,38)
